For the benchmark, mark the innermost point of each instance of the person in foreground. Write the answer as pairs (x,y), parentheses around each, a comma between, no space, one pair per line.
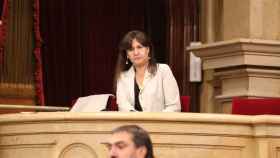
(143,84)
(130,141)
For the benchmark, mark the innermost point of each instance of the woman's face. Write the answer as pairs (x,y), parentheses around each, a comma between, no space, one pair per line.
(138,54)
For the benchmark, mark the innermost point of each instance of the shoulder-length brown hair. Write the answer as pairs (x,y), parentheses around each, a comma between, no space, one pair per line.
(123,64)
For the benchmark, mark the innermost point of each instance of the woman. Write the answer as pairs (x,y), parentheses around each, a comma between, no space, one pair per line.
(142,84)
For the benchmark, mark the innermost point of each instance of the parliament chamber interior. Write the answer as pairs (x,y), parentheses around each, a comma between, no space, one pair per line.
(57,76)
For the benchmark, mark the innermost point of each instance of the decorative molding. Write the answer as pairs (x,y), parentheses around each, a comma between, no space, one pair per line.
(248,72)
(17,145)
(238,52)
(194,145)
(78,150)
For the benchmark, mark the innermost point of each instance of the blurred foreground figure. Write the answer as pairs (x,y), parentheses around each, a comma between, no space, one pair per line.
(130,141)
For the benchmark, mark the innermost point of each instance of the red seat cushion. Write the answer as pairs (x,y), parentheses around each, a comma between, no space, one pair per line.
(256,106)
(112,104)
(185,103)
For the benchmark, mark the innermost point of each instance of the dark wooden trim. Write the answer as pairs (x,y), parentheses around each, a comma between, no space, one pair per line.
(183,28)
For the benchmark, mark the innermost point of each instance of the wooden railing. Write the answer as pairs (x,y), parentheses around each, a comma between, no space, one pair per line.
(4,108)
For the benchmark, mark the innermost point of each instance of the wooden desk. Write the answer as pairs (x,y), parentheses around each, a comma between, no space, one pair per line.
(175,135)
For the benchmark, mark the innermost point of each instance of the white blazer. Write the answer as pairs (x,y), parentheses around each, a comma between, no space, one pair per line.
(160,92)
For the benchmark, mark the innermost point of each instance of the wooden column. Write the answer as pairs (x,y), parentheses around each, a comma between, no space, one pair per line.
(243,68)
(241,27)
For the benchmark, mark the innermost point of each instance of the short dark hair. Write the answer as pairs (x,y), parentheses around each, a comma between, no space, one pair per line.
(140,137)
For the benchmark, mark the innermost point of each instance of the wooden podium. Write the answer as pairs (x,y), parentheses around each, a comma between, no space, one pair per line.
(176,135)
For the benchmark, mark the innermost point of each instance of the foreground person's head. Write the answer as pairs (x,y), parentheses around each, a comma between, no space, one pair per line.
(130,141)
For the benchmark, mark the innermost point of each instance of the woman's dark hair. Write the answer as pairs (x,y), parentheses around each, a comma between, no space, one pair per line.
(123,64)
(140,137)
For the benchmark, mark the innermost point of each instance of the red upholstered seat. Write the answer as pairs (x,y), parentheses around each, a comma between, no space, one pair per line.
(112,104)
(185,103)
(245,106)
